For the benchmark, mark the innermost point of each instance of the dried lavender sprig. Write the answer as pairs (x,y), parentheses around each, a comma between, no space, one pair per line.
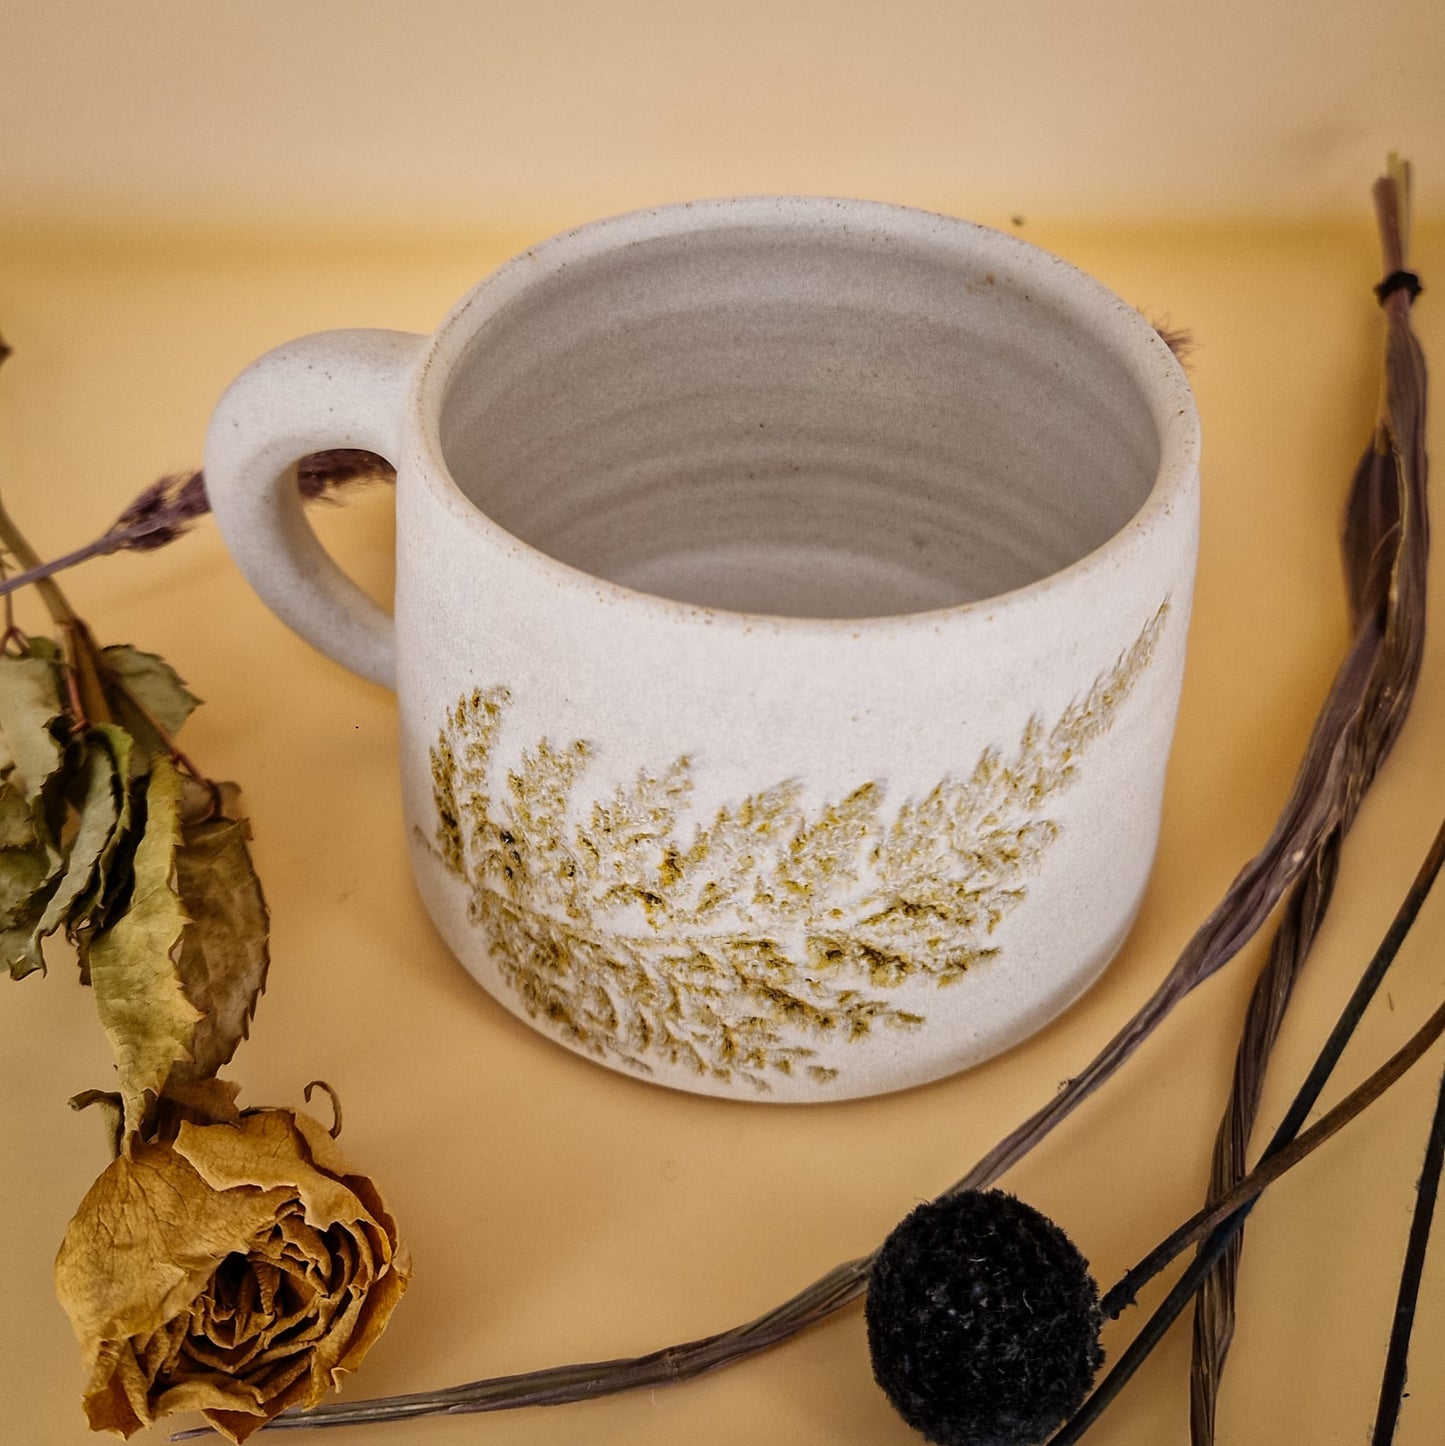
(1385,570)
(1377,529)
(169,507)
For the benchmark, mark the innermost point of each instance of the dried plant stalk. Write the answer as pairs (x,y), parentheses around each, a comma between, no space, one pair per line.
(1282,1145)
(1392,1385)
(1386,545)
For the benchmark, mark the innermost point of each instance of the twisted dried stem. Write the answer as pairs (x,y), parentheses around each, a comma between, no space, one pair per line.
(1386,545)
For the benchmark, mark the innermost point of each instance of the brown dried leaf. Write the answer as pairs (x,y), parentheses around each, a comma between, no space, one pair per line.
(225,949)
(202,1102)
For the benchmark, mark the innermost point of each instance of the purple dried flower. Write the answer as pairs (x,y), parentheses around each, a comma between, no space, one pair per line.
(169,507)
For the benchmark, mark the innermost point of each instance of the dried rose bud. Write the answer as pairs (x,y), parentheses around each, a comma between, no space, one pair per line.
(239,1271)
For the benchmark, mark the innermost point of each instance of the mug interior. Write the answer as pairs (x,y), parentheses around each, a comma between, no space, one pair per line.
(780,412)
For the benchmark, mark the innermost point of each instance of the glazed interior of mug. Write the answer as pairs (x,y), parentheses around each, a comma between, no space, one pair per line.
(806,420)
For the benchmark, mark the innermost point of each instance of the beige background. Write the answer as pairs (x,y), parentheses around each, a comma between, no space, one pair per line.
(554,111)
(163,176)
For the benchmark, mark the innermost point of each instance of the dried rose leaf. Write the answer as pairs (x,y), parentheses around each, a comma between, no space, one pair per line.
(17,822)
(29,704)
(224,950)
(39,886)
(202,1101)
(171,1270)
(28,876)
(138,994)
(92,913)
(30,862)
(24,873)
(102,780)
(151,682)
(18,951)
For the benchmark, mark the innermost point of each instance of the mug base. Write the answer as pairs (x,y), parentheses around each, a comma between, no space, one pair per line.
(910,1060)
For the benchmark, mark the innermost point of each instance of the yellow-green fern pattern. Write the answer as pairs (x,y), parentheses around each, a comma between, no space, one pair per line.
(734,947)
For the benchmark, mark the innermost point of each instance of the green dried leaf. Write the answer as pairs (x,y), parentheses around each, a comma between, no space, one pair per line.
(17,820)
(33,759)
(224,950)
(102,778)
(113,870)
(29,871)
(149,693)
(19,951)
(42,888)
(27,879)
(29,704)
(143,1009)
(24,873)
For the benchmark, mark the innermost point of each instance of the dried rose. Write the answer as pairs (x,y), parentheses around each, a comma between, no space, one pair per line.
(239,1271)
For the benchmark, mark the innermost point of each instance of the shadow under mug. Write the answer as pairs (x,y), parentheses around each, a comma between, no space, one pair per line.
(790,617)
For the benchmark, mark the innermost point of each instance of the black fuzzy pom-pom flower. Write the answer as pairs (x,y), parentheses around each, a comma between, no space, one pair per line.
(983,1321)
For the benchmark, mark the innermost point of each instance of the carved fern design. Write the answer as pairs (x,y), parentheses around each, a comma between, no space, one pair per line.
(727,950)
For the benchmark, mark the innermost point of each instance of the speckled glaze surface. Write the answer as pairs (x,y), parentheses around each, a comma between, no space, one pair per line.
(790,620)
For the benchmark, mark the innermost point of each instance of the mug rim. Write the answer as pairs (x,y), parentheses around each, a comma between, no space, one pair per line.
(1152,367)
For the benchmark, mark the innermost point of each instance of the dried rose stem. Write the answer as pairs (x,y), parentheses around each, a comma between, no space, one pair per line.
(13,541)
(1378,530)
(1387,590)
(86,696)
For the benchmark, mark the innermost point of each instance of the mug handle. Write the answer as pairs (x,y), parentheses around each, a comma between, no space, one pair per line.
(331,389)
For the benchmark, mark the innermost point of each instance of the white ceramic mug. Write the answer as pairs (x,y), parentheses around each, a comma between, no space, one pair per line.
(790,614)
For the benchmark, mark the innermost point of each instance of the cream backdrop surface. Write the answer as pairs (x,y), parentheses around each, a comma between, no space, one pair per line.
(182,187)
(550,112)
